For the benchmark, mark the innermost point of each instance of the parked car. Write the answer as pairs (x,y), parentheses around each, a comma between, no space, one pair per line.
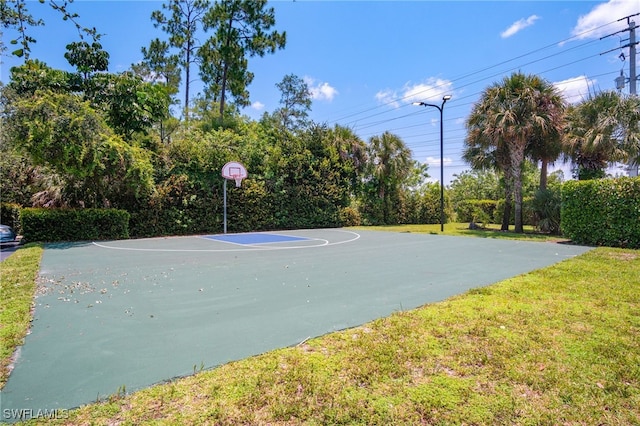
(7,235)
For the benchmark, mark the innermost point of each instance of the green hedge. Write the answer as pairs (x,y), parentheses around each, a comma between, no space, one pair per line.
(249,208)
(350,216)
(491,211)
(423,206)
(475,210)
(253,207)
(603,212)
(528,212)
(200,215)
(10,215)
(73,224)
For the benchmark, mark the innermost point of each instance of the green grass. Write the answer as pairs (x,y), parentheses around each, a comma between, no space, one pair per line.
(560,345)
(462,229)
(17,286)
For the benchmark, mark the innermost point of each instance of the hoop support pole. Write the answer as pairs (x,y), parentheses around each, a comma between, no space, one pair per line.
(225,205)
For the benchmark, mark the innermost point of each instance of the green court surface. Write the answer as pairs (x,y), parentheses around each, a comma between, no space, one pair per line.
(119,315)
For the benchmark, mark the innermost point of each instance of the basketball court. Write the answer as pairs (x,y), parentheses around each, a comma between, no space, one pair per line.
(123,315)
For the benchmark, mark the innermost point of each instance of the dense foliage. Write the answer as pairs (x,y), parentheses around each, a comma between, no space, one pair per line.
(546,210)
(602,129)
(10,215)
(304,177)
(73,224)
(603,212)
(480,211)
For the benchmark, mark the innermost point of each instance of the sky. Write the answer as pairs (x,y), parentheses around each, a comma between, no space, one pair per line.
(366,62)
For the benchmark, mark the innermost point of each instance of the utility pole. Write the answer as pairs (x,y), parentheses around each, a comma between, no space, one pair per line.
(633,78)
(632,169)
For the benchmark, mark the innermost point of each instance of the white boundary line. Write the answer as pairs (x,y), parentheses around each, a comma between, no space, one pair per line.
(325,243)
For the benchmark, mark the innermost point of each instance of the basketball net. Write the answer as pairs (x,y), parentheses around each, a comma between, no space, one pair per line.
(238,180)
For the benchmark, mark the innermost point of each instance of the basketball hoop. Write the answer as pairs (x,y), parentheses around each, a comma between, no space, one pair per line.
(231,171)
(234,171)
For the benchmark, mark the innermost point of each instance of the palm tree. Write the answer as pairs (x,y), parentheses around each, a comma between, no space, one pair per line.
(351,149)
(602,130)
(511,114)
(390,161)
(547,148)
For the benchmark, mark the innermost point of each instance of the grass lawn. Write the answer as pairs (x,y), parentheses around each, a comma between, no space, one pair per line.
(560,345)
(462,229)
(17,286)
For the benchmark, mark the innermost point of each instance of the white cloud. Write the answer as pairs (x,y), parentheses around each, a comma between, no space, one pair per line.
(435,162)
(519,26)
(575,89)
(594,23)
(257,105)
(389,97)
(432,90)
(320,91)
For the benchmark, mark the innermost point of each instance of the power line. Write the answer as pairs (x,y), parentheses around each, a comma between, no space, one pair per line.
(425,144)
(429,140)
(459,105)
(473,95)
(398,100)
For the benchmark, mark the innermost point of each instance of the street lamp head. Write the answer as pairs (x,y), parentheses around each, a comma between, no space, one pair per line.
(417,103)
(446,98)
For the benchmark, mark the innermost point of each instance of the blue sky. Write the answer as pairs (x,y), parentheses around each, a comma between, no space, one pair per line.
(367,61)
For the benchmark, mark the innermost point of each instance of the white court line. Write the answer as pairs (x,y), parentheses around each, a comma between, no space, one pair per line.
(325,243)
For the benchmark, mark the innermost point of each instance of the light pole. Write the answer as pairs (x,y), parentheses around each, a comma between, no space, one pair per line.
(440,108)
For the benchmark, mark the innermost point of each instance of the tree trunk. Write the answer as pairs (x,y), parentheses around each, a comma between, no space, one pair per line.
(187,70)
(383,197)
(518,205)
(162,132)
(508,198)
(517,158)
(543,174)
(223,90)
(226,60)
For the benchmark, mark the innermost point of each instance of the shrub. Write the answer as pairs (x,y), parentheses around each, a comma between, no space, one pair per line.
(528,215)
(73,224)
(475,210)
(428,205)
(546,207)
(179,206)
(10,215)
(350,216)
(603,212)
(250,208)
(423,205)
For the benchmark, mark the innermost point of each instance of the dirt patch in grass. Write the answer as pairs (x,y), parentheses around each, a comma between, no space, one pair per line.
(624,256)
